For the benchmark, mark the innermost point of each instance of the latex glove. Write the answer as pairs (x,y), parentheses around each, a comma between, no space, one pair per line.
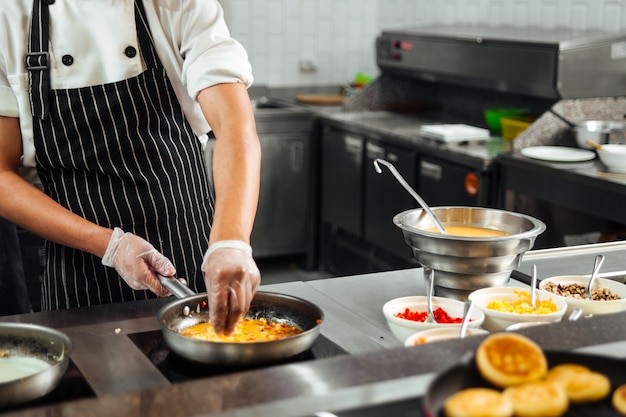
(136,261)
(232,278)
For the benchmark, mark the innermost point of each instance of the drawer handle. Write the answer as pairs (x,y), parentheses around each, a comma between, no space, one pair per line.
(296,156)
(428,169)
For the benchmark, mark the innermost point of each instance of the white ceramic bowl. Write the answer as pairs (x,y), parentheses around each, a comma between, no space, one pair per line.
(520,326)
(498,320)
(614,157)
(440,333)
(403,328)
(591,306)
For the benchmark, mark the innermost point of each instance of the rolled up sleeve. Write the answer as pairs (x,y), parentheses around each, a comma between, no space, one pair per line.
(8,102)
(211,55)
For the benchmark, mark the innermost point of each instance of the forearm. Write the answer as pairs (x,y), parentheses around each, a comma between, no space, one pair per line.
(29,208)
(235,175)
(236,161)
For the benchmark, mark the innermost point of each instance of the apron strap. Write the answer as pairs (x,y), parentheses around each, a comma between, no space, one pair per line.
(144,36)
(37,60)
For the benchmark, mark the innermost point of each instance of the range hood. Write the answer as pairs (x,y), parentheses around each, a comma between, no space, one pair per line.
(553,64)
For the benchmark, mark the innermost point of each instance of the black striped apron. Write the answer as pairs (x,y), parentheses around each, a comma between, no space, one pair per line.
(119,154)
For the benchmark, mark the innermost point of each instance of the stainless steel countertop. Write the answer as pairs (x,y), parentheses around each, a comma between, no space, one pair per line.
(575,260)
(378,369)
(405,129)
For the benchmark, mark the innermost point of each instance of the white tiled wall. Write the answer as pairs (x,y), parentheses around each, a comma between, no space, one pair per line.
(337,36)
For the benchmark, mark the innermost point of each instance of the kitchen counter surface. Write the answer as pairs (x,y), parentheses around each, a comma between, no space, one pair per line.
(398,127)
(377,370)
(586,186)
(404,129)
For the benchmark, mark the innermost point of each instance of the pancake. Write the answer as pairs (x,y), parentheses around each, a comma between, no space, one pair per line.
(565,370)
(580,383)
(619,399)
(478,402)
(537,399)
(507,359)
(587,387)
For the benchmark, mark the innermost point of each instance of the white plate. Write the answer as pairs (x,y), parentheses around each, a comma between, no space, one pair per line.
(558,154)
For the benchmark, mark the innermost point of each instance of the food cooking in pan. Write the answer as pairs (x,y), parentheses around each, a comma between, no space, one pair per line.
(248,330)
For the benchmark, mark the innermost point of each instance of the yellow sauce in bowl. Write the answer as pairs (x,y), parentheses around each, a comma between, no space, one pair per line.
(470,231)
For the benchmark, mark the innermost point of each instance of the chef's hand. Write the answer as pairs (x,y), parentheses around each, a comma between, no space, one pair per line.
(136,261)
(232,278)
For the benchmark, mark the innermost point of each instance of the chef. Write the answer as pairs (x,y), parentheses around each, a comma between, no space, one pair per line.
(107,105)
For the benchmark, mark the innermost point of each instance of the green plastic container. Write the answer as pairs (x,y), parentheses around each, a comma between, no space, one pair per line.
(493,116)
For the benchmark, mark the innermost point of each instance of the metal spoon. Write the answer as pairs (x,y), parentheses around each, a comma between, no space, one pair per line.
(467,315)
(430,273)
(596,267)
(533,287)
(575,314)
(411,191)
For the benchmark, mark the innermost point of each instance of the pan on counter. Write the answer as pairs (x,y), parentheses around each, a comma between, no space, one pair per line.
(191,309)
(33,359)
(466,375)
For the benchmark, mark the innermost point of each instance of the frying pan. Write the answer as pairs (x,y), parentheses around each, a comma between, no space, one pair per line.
(465,374)
(191,309)
(19,341)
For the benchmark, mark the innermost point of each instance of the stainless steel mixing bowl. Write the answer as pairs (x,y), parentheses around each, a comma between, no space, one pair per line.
(463,264)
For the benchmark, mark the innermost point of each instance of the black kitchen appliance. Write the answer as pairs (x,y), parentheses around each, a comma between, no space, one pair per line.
(550,63)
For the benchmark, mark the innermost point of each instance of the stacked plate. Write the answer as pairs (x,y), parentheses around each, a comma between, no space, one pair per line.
(455,132)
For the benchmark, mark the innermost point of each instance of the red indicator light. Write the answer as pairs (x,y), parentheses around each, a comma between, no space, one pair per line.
(406,45)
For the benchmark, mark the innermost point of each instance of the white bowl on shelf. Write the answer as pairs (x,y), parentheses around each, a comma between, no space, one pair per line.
(614,157)
(500,320)
(593,307)
(440,333)
(403,328)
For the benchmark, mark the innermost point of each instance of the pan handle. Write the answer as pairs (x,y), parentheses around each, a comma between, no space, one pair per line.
(176,287)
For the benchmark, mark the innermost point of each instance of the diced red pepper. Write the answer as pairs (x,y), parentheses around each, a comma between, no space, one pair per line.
(441,316)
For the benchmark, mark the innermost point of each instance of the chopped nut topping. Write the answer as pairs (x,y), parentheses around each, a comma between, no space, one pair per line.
(578,291)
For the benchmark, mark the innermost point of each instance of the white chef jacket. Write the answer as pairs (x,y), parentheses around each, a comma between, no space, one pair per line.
(190,37)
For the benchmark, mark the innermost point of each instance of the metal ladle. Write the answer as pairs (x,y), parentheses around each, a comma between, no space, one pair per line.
(533,287)
(430,286)
(467,316)
(411,191)
(596,267)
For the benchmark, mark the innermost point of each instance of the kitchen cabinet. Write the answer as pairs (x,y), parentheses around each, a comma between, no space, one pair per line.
(283,216)
(342,180)
(444,183)
(357,205)
(385,197)
(281,225)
